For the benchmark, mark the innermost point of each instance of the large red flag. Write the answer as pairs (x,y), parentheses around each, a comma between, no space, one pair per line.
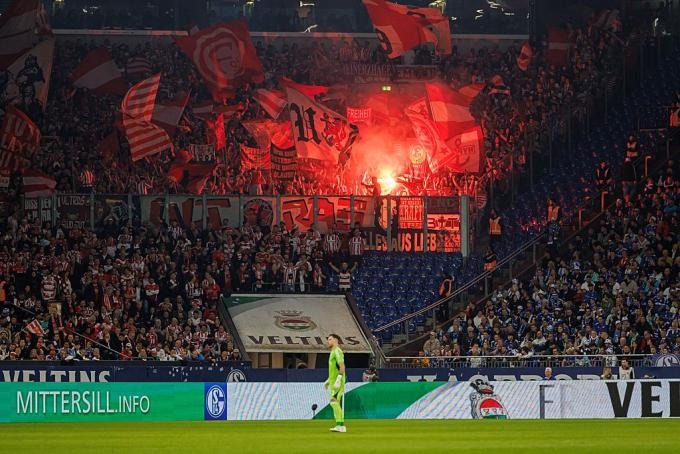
(99,74)
(400,28)
(310,91)
(225,57)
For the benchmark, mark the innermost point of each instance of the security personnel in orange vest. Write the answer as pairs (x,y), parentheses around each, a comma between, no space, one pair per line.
(553,211)
(494,227)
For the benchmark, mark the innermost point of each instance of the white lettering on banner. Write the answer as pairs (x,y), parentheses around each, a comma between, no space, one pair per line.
(30,375)
(79,403)
(299,323)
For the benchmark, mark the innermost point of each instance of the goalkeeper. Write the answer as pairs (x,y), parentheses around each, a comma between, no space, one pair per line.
(336,382)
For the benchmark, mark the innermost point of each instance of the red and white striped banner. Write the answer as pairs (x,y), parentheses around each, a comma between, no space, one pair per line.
(272,101)
(20,27)
(144,137)
(37,184)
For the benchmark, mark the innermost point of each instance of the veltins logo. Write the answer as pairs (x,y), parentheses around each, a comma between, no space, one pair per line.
(293,320)
(215,401)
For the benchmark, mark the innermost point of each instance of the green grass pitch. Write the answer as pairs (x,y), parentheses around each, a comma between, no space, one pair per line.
(371,436)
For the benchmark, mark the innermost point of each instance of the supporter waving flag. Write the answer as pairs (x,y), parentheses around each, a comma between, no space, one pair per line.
(225,57)
(144,137)
(99,74)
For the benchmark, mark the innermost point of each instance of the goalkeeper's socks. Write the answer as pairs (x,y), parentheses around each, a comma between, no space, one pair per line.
(337,411)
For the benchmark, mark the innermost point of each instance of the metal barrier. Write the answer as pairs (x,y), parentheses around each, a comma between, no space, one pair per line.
(521,361)
(465,287)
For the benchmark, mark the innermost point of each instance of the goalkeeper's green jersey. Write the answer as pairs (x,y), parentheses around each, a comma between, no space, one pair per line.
(334,360)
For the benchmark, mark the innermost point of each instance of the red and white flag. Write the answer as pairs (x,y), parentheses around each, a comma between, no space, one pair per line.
(466,152)
(450,110)
(225,56)
(37,183)
(31,74)
(138,65)
(144,137)
(524,58)
(438,24)
(319,132)
(35,328)
(19,139)
(272,101)
(167,114)
(21,26)
(99,74)
(559,45)
(397,30)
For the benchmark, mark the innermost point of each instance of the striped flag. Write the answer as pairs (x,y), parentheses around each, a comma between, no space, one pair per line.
(272,101)
(524,58)
(19,139)
(37,184)
(167,114)
(138,65)
(99,74)
(35,328)
(144,137)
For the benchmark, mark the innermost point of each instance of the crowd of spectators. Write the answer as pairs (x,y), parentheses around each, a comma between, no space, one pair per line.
(613,291)
(149,293)
(75,121)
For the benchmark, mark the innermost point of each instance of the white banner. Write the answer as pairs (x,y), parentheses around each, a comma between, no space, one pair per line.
(560,399)
(295,323)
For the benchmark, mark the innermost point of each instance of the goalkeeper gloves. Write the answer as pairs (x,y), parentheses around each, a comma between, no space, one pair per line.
(338,382)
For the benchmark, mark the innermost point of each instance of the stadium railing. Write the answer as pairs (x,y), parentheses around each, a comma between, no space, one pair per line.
(456,299)
(612,360)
